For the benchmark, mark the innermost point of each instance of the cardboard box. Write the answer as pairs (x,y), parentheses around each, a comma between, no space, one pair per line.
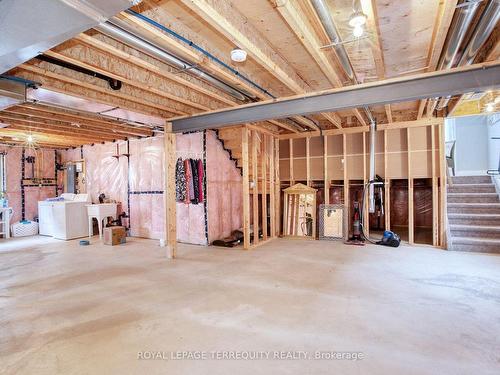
(115,235)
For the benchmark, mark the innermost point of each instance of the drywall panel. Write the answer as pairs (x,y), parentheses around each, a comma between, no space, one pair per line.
(284,148)
(421,164)
(335,168)
(299,169)
(397,165)
(397,140)
(316,147)
(354,143)
(299,148)
(355,167)
(284,170)
(335,145)
(317,168)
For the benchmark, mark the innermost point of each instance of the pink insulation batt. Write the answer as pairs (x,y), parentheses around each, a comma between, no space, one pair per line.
(225,195)
(107,174)
(14,177)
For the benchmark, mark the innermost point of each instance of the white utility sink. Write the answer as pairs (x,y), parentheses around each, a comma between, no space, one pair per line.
(100,212)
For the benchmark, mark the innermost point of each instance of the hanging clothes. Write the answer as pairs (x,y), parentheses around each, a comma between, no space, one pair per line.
(180,181)
(200,180)
(194,169)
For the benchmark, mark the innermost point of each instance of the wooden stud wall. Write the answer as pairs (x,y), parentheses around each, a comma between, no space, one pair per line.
(402,152)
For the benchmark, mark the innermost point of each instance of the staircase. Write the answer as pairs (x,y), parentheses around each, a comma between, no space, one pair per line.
(474,215)
(231,140)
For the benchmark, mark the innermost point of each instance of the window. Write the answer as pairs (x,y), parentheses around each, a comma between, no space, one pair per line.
(3,177)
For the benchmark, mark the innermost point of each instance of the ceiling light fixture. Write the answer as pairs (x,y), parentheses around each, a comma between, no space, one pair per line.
(490,107)
(30,139)
(357,19)
(238,55)
(358,31)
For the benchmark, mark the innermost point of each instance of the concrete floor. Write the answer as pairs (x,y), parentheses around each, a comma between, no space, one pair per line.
(66,309)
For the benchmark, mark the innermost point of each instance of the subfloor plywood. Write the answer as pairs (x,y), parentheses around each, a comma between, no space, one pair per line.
(66,309)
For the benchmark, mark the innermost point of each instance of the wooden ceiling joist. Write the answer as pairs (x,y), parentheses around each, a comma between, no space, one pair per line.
(441,26)
(233,25)
(139,79)
(93,42)
(67,85)
(38,111)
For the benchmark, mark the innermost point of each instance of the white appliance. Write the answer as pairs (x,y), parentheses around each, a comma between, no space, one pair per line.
(65,219)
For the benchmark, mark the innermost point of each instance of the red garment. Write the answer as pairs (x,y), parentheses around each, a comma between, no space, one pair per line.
(200,180)
(187,169)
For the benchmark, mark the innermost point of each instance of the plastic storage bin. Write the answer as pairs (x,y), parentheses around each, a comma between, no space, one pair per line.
(24,228)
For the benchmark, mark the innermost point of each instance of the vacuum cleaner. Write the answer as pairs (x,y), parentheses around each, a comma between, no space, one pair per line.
(389,238)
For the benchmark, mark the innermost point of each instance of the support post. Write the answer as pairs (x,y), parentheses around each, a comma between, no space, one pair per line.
(169,211)
(246,188)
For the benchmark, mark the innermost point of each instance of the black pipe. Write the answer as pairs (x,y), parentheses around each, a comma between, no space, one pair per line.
(113,83)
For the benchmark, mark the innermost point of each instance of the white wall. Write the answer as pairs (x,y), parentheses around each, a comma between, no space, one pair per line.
(472,144)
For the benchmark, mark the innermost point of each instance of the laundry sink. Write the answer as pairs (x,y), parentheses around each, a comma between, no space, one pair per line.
(100,212)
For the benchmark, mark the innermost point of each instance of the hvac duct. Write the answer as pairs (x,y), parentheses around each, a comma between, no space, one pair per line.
(483,30)
(328,23)
(119,30)
(28,27)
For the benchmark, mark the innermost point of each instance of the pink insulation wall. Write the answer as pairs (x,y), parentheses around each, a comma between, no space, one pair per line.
(32,194)
(225,195)
(144,175)
(111,176)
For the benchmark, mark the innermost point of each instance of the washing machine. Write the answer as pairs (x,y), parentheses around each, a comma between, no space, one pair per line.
(65,217)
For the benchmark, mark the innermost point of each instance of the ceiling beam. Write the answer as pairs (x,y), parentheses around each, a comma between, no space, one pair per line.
(456,81)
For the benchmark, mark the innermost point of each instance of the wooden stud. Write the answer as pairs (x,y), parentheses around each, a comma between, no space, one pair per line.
(255,178)
(387,186)
(326,180)
(366,212)
(308,163)
(272,187)
(170,214)
(346,184)
(442,185)
(264,155)
(410,193)
(292,179)
(435,213)
(246,188)
(277,183)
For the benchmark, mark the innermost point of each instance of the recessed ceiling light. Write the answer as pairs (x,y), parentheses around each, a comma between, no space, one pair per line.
(238,55)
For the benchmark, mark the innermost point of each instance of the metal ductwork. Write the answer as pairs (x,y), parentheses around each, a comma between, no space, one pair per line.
(13,90)
(483,30)
(121,31)
(328,23)
(29,27)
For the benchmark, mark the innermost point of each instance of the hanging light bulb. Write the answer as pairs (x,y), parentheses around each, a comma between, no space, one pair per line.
(358,18)
(357,31)
(29,138)
(490,107)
